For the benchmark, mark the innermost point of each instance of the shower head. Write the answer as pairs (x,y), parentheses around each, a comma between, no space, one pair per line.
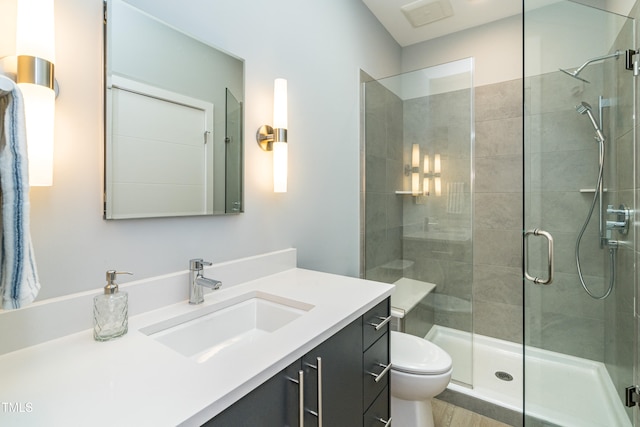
(578,70)
(584,108)
(574,74)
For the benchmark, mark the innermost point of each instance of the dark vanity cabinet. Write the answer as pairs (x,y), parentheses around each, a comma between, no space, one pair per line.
(338,379)
(376,366)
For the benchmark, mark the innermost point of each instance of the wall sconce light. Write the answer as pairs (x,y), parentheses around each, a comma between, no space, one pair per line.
(275,138)
(427,174)
(415,170)
(35,50)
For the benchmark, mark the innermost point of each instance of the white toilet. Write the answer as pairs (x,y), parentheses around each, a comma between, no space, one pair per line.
(420,370)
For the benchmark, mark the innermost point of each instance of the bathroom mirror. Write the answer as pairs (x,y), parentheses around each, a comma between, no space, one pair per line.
(173,121)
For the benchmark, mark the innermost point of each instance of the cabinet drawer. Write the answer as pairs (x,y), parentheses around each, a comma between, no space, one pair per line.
(373,318)
(376,360)
(378,414)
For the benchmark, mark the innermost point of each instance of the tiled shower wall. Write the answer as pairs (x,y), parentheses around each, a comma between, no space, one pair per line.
(563,318)
(498,211)
(383,165)
(561,173)
(491,278)
(562,159)
(437,234)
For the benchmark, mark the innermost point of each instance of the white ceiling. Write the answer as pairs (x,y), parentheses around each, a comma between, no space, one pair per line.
(466,14)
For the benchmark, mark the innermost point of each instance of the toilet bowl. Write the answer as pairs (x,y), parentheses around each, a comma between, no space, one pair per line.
(420,370)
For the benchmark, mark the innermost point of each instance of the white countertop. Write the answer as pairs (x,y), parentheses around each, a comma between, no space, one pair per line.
(135,380)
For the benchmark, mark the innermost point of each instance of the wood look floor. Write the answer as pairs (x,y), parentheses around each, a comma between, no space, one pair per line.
(448,415)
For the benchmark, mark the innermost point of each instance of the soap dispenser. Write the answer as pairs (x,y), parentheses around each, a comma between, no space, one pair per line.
(110,310)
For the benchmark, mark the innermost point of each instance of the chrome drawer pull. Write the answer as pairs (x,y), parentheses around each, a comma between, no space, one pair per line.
(318,367)
(385,422)
(300,383)
(379,326)
(378,377)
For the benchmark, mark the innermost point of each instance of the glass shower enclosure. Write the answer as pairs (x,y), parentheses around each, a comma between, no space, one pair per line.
(418,202)
(427,226)
(580,190)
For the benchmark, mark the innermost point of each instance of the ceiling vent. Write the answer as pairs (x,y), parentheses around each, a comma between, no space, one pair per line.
(423,12)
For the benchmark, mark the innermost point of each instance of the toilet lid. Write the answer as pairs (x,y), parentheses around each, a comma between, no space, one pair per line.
(415,355)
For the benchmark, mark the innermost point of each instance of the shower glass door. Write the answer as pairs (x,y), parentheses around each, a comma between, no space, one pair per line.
(579,350)
(233,154)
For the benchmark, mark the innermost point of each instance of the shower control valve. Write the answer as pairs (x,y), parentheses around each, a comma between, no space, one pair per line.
(622,221)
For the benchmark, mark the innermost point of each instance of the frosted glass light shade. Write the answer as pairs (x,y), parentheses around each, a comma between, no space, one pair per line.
(35,38)
(415,156)
(280,155)
(280,104)
(35,29)
(39,114)
(415,183)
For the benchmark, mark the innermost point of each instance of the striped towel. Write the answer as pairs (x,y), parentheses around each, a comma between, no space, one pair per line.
(455,200)
(19,284)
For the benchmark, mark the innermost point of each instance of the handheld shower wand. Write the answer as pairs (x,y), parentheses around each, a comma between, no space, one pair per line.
(585,108)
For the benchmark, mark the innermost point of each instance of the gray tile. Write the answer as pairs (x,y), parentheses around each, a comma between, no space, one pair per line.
(497,284)
(564,170)
(565,296)
(564,130)
(556,91)
(593,259)
(499,101)
(376,212)
(624,161)
(561,211)
(500,174)
(497,320)
(376,174)
(499,137)
(394,175)
(497,247)
(575,336)
(498,211)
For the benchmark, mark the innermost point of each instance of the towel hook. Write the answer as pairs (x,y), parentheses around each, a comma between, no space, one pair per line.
(6,85)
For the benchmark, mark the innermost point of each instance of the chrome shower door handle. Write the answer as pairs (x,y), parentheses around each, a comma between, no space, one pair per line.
(537,280)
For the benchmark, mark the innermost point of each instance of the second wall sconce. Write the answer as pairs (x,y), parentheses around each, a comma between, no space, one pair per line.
(35,53)
(427,174)
(274,138)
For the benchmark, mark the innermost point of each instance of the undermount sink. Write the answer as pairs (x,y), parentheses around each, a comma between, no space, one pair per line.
(244,319)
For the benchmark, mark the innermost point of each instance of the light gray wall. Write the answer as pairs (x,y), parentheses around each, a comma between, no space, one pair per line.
(495,47)
(319,48)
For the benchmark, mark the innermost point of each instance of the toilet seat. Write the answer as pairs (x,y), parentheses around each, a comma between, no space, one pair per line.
(414,355)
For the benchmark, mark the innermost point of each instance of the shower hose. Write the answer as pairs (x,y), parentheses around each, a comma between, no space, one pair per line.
(612,249)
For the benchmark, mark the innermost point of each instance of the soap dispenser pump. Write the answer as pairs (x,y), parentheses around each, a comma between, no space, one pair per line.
(110,310)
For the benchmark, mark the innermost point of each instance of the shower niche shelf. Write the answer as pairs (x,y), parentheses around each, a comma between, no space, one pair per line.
(592,190)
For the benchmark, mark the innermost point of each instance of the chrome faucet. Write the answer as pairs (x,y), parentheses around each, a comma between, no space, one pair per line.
(197,281)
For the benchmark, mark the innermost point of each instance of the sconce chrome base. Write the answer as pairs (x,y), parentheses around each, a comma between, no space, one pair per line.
(35,70)
(30,69)
(266,136)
